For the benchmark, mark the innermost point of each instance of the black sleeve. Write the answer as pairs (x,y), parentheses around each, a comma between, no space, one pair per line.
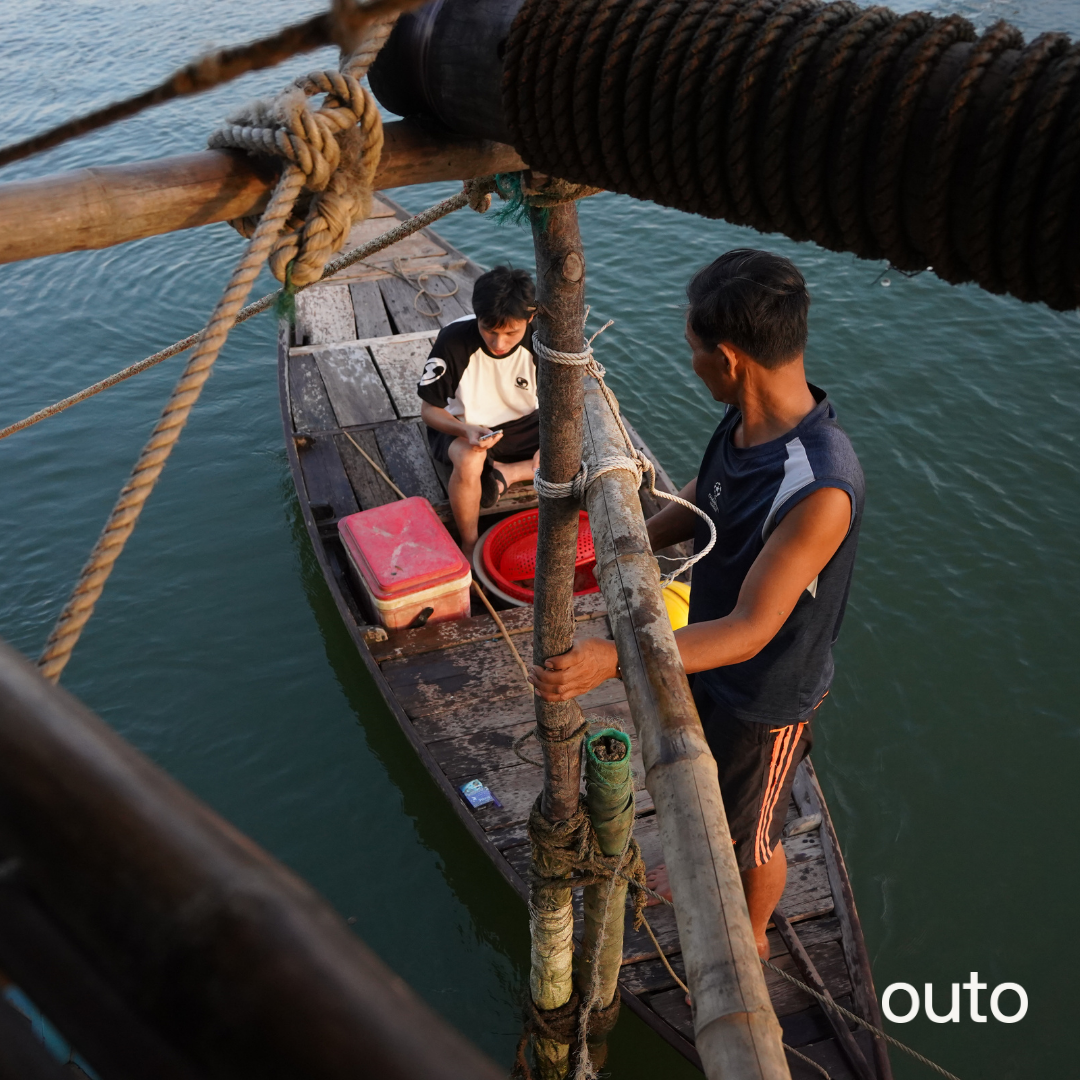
(446,363)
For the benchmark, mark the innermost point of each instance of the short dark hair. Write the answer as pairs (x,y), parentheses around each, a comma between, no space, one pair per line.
(754,300)
(504,293)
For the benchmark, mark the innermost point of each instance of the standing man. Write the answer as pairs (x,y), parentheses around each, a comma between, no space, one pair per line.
(782,485)
(478,397)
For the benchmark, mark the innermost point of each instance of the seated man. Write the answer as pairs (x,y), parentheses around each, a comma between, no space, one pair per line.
(784,489)
(478,394)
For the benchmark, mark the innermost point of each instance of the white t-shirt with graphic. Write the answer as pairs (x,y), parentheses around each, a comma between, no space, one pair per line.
(477,387)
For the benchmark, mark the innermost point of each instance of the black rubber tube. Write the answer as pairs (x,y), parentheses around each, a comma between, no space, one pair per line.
(905,138)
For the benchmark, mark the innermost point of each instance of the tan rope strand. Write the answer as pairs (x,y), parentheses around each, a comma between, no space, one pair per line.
(219,67)
(686,990)
(505,633)
(375,465)
(152,460)
(372,247)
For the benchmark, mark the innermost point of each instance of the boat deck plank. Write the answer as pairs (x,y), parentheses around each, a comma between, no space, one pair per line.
(356,391)
(369,310)
(456,686)
(404,449)
(401,363)
(311,408)
(324,315)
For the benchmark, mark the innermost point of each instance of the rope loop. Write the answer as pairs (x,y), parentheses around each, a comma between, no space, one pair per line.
(632,462)
(336,145)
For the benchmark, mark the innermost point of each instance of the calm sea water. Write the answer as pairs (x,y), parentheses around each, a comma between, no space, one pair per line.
(949,746)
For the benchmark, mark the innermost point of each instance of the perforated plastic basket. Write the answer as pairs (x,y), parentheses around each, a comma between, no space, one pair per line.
(509,556)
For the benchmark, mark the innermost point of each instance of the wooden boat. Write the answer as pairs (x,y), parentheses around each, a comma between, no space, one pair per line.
(348,374)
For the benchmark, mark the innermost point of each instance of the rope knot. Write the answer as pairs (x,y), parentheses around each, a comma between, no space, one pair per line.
(335,146)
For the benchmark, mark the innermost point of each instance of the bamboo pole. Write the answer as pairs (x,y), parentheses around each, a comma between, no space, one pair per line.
(102,206)
(560,276)
(736,1032)
(609,796)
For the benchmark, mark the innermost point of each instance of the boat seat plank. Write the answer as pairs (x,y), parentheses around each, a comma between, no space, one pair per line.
(325,479)
(401,363)
(370,488)
(311,408)
(404,449)
(356,391)
(830,1057)
(380,208)
(369,310)
(650,976)
(811,1025)
(520,496)
(446,635)
(324,314)
(400,299)
(468,676)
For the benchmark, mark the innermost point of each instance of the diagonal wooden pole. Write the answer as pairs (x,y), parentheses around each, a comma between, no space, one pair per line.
(560,274)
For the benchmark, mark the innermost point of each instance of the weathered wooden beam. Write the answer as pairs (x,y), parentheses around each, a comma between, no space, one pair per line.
(105,205)
(735,1029)
(560,297)
(228,956)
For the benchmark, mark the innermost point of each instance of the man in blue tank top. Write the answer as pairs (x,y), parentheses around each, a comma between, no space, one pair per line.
(782,485)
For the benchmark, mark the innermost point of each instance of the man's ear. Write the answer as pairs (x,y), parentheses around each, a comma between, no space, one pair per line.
(732,358)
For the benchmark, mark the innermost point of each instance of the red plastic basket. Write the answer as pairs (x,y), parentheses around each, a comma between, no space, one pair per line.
(509,556)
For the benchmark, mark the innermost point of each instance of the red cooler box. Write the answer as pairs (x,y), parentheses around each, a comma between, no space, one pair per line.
(406,561)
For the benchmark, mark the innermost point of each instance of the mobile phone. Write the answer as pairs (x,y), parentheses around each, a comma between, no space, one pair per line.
(492,434)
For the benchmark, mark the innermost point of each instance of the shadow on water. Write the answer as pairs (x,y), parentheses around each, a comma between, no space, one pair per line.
(498,915)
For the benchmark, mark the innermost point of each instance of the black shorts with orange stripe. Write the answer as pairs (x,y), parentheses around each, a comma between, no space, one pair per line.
(757,764)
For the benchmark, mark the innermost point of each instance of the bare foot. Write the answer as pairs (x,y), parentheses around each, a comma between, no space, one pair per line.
(657,880)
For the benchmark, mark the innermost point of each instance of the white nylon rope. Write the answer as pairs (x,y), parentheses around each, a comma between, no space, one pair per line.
(633,461)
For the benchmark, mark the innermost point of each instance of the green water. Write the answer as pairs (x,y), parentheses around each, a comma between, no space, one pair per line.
(948,748)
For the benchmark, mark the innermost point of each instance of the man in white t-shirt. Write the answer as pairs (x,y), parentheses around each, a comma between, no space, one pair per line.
(478,397)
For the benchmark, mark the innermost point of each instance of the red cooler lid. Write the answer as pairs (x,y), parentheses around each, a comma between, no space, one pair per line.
(402,547)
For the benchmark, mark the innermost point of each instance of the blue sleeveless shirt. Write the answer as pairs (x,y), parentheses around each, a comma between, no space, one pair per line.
(747,493)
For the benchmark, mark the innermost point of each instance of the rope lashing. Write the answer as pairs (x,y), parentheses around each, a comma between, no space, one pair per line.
(633,461)
(566,854)
(151,461)
(900,137)
(337,148)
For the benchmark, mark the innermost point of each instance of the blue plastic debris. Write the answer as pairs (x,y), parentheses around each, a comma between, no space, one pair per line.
(476,795)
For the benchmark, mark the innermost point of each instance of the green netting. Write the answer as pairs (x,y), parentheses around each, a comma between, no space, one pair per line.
(609,788)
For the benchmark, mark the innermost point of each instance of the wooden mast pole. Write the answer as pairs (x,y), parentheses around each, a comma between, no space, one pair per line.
(102,206)
(560,278)
(735,1030)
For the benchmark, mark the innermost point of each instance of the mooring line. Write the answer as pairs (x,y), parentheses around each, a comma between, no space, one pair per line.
(364,251)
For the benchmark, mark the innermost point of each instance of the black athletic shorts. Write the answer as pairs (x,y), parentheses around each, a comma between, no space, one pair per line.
(757,764)
(521,439)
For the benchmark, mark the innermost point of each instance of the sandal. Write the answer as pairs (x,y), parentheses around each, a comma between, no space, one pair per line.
(493,486)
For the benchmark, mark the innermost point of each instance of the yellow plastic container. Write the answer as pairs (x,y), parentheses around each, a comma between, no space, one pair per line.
(677,601)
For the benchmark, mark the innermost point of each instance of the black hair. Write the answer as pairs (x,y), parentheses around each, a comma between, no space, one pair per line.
(504,293)
(754,300)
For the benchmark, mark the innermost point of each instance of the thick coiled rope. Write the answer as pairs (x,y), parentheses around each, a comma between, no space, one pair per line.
(304,140)
(633,461)
(905,138)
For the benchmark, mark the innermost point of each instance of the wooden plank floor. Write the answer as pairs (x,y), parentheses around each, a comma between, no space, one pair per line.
(361,340)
